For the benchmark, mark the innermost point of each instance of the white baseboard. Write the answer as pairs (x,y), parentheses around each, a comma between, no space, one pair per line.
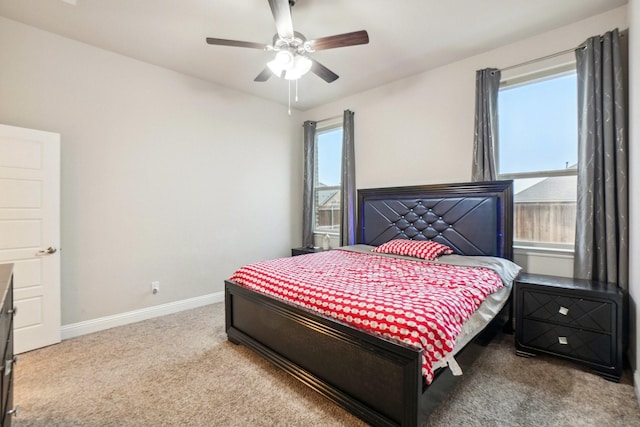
(95,325)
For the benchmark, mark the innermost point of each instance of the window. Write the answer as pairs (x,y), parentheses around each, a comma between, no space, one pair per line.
(327,180)
(538,149)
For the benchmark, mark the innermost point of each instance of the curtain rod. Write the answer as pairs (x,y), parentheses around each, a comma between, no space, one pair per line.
(340,116)
(328,119)
(553,55)
(533,61)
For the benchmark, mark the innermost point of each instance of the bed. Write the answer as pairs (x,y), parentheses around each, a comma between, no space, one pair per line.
(379,379)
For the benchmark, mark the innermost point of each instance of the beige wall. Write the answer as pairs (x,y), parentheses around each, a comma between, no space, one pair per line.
(164,177)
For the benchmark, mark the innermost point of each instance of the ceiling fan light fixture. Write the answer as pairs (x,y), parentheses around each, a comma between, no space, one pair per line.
(289,65)
(301,66)
(283,61)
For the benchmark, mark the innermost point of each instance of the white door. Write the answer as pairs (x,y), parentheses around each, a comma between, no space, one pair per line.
(30,232)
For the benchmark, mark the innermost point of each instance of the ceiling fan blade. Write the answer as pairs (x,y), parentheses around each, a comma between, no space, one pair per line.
(236,43)
(340,40)
(323,72)
(282,16)
(263,76)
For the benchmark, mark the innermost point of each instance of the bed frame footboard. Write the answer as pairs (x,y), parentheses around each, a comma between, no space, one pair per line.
(377,380)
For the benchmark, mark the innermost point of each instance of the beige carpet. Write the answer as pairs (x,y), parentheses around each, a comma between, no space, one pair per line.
(179,370)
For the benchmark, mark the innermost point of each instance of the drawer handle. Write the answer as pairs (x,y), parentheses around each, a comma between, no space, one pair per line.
(8,364)
(15,411)
(13,311)
(563,340)
(563,310)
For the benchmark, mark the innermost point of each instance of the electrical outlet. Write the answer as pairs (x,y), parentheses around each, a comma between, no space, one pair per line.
(155,286)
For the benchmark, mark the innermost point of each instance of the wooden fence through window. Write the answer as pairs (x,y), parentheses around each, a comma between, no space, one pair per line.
(545,222)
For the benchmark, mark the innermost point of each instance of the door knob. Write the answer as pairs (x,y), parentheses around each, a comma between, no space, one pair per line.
(50,250)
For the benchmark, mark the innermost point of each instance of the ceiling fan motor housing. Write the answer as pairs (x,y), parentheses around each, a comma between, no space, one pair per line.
(298,43)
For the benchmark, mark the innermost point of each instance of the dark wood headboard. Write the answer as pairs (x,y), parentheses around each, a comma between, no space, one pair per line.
(474,218)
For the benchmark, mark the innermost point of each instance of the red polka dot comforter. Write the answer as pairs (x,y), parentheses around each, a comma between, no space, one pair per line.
(419,303)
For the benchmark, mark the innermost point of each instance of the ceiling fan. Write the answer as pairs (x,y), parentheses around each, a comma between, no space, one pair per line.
(291,60)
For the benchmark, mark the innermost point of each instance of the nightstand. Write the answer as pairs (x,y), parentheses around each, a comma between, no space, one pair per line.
(580,320)
(306,250)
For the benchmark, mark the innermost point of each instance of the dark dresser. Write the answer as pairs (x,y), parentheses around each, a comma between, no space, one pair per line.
(7,312)
(580,320)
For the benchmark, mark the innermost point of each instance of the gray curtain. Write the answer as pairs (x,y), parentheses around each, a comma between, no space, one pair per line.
(309,174)
(486,125)
(602,251)
(348,193)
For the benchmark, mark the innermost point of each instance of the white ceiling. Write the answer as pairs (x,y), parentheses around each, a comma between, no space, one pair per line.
(406,36)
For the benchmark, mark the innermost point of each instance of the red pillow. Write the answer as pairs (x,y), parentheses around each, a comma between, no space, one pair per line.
(425,249)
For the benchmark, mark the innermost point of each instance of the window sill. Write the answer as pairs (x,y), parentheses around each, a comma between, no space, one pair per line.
(558,252)
(323,233)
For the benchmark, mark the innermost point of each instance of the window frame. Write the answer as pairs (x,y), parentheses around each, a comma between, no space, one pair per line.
(327,126)
(527,78)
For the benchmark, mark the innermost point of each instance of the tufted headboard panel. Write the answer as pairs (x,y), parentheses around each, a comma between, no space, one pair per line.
(472,218)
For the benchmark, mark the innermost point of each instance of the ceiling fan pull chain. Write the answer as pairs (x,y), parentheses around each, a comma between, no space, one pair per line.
(289,82)
(296,91)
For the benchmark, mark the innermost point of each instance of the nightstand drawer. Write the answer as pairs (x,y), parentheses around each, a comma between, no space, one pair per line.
(577,312)
(576,343)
